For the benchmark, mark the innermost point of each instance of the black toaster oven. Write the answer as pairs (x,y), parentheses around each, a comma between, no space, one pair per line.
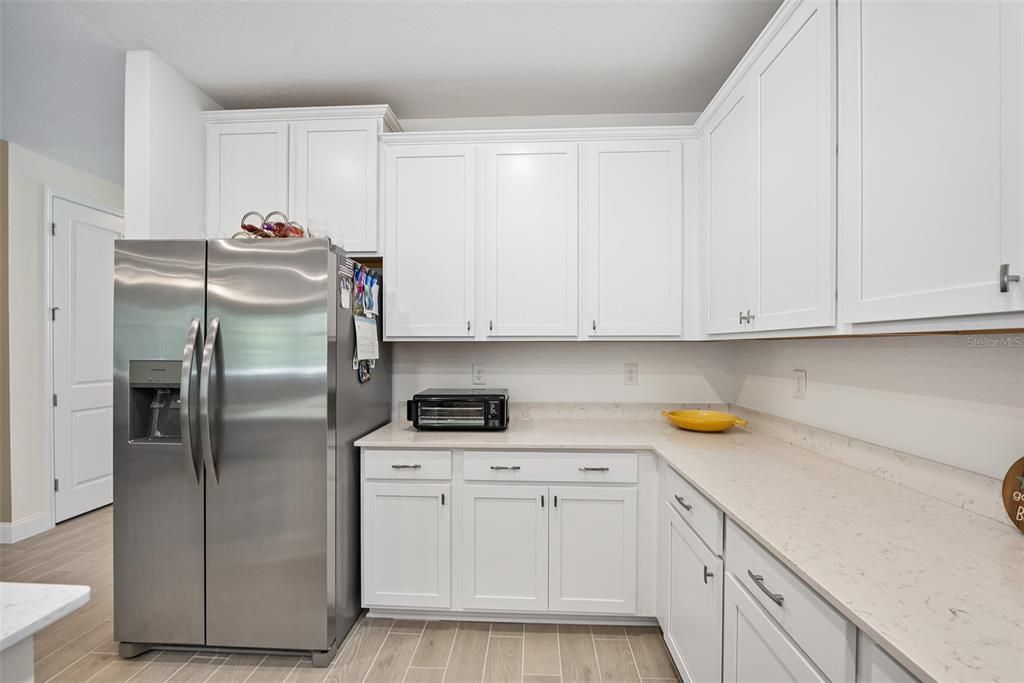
(459,409)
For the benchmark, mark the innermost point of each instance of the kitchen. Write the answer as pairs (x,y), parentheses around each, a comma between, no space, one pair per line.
(827,247)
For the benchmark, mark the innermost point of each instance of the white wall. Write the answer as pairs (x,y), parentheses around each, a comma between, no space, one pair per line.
(63,87)
(30,173)
(569,371)
(955,399)
(165,150)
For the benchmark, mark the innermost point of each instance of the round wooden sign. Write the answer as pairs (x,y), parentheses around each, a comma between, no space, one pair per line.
(1013,493)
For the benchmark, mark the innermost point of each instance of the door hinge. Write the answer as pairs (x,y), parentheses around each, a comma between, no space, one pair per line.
(53,228)
(56,484)
(55,400)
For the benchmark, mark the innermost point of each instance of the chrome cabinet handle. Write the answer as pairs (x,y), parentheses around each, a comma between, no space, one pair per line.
(192,344)
(1005,278)
(707,574)
(759,580)
(204,398)
(742,319)
(406,467)
(505,467)
(682,501)
(593,325)
(593,469)
(467,326)
(490,326)
(750,316)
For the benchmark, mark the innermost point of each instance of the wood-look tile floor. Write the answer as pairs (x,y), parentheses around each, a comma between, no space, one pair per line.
(80,647)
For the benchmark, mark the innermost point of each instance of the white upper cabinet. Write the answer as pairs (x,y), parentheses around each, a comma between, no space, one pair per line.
(633,238)
(931,158)
(531,230)
(732,214)
(429,231)
(771,185)
(246,170)
(796,281)
(334,180)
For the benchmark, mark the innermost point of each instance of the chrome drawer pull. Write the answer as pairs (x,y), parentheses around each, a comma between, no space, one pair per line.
(505,467)
(594,469)
(759,580)
(406,467)
(682,501)
(707,574)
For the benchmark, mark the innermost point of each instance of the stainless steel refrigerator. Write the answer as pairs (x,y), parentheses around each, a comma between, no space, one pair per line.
(236,483)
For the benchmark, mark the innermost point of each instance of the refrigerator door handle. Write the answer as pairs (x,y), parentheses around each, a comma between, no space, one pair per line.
(204,398)
(192,343)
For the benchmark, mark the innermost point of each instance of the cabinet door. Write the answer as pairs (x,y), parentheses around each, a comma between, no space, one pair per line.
(246,170)
(429,231)
(633,218)
(531,240)
(693,625)
(593,549)
(505,547)
(755,648)
(875,665)
(796,284)
(334,181)
(931,158)
(732,214)
(406,545)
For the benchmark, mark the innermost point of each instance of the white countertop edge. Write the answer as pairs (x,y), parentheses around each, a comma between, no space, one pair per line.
(61,601)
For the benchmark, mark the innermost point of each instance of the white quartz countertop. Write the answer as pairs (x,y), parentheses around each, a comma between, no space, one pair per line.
(940,588)
(26,608)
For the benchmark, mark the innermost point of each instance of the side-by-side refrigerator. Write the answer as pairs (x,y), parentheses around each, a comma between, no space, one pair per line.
(236,482)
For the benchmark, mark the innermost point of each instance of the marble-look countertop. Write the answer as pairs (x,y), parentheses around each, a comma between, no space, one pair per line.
(939,588)
(26,608)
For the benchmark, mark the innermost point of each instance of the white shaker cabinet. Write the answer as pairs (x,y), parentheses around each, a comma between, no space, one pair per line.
(875,665)
(334,180)
(406,544)
(593,556)
(530,237)
(504,547)
(931,153)
(246,170)
(430,233)
(633,238)
(694,577)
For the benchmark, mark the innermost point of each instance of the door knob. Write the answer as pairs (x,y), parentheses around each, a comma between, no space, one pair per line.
(1005,278)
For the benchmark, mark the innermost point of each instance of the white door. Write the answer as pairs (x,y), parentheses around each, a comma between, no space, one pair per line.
(406,545)
(531,240)
(334,180)
(875,665)
(732,214)
(931,158)
(430,228)
(796,137)
(83,356)
(593,549)
(633,232)
(694,600)
(505,547)
(755,648)
(246,170)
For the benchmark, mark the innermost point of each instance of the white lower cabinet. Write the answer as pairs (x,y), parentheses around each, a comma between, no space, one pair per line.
(593,549)
(504,547)
(693,620)
(406,543)
(874,665)
(755,647)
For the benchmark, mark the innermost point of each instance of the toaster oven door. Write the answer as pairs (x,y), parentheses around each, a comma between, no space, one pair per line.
(451,414)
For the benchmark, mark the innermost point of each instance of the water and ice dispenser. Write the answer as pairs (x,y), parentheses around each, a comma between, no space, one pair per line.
(155,387)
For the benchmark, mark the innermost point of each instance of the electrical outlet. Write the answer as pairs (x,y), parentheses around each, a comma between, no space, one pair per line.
(799,384)
(629,374)
(479,374)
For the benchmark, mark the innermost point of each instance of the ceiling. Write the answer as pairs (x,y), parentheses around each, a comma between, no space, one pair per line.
(446,59)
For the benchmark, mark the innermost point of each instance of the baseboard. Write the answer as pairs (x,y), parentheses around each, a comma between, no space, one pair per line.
(513,617)
(12,532)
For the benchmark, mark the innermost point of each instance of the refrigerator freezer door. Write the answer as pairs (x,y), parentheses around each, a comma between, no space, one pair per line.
(267,409)
(159,290)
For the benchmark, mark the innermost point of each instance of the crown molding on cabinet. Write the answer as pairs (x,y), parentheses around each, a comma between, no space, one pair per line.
(369,111)
(543,135)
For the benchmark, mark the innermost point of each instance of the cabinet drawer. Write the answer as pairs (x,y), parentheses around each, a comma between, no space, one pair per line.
(407,464)
(550,466)
(821,632)
(698,511)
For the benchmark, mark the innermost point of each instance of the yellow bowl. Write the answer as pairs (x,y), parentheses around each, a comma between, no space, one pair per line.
(703,420)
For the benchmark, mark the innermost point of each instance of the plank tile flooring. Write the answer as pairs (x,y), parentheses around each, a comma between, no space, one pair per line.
(80,647)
